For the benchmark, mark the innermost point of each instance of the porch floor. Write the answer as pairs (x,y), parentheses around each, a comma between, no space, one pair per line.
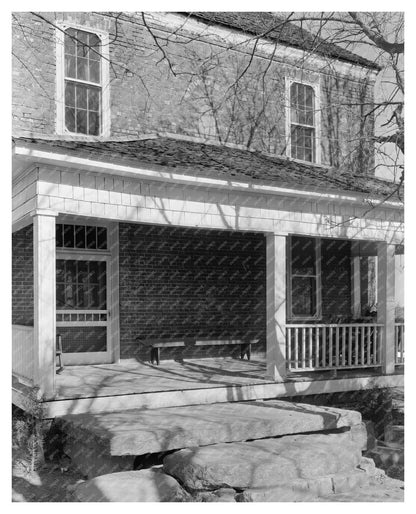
(140,385)
(134,377)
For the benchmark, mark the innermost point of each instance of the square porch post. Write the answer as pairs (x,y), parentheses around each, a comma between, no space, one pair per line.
(44,253)
(276,306)
(386,303)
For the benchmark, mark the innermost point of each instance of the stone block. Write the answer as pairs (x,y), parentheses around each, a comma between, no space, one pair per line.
(263,463)
(147,485)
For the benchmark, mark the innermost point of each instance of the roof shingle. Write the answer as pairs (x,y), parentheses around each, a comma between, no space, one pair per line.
(282,31)
(218,161)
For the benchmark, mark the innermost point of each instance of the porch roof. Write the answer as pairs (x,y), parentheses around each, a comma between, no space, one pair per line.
(190,156)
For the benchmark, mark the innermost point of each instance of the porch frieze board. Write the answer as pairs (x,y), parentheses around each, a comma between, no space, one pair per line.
(159,174)
(43,212)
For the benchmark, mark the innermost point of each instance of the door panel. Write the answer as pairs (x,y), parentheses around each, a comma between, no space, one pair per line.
(81,309)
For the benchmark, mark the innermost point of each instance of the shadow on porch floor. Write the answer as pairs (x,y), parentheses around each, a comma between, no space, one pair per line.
(133,377)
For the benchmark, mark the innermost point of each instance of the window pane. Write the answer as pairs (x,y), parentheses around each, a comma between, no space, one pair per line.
(91,238)
(60,270)
(82,43)
(69,236)
(80,236)
(304,296)
(101,238)
(94,67)
(70,66)
(82,68)
(82,121)
(93,99)
(69,42)
(69,94)
(60,296)
(303,256)
(70,119)
(81,97)
(93,124)
(95,47)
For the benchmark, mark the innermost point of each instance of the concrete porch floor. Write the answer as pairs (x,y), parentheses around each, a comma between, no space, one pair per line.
(141,385)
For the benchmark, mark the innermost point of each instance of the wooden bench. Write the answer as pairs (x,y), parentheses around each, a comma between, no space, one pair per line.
(156,345)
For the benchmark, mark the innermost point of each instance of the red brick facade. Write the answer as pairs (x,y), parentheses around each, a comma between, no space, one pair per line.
(22,277)
(177,282)
(146,97)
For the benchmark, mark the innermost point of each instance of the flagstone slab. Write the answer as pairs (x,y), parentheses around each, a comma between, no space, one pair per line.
(149,485)
(265,463)
(138,431)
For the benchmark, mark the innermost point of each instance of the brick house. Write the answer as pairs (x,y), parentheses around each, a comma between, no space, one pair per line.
(164,190)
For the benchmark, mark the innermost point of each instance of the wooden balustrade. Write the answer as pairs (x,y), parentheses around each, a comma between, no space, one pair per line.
(23,351)
(399,342)
(334,346)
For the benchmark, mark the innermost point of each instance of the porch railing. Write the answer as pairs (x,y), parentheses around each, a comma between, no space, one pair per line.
(339,346)
(22,351)
(399,342)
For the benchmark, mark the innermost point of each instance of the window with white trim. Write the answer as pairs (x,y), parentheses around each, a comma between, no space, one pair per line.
(82,85)
(302,122)
(304,278)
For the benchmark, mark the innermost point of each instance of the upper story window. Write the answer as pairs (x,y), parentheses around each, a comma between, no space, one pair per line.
(303,122)
(82,82)
(83,99)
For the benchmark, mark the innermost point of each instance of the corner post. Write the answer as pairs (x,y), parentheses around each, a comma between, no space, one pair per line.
(386,303)
(44,253)
(276,306)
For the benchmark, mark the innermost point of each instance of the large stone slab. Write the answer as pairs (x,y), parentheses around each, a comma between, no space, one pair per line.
(148,485)
(265,463)
(136,432)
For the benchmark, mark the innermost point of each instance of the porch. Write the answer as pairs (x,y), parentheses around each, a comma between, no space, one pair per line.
(109,257)
(133,384)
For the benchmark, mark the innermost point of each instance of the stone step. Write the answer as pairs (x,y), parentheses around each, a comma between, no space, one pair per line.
(91,439)
(265,464)
(147,485)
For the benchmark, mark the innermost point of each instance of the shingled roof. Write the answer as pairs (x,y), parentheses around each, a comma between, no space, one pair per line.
(189,157)
(280,30)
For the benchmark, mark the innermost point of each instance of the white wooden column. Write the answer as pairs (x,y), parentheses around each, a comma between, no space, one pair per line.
(386,302)
(276,306)
(355,280)
(44,253)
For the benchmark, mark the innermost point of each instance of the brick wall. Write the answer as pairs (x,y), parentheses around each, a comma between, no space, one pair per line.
(147,97)
(336,279)
(22,277)
(177,282)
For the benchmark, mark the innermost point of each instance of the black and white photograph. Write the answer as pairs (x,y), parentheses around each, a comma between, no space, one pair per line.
(207,253)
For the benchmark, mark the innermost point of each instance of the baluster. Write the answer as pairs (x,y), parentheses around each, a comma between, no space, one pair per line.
(337,347)
(317,347)
(368,330)
(310,348)
(362,344)
(324,347)
(289,346)
(330,347)
(296,348)
(303,347)
(349,346)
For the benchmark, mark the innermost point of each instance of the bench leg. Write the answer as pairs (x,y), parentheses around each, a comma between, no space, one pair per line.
(155,355)
(245,349)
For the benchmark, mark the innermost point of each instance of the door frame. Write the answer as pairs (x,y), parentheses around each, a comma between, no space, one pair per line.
(111,257)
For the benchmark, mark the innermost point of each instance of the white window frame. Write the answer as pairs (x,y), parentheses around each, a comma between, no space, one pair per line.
(317,126)
(60,80)
(318,275)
